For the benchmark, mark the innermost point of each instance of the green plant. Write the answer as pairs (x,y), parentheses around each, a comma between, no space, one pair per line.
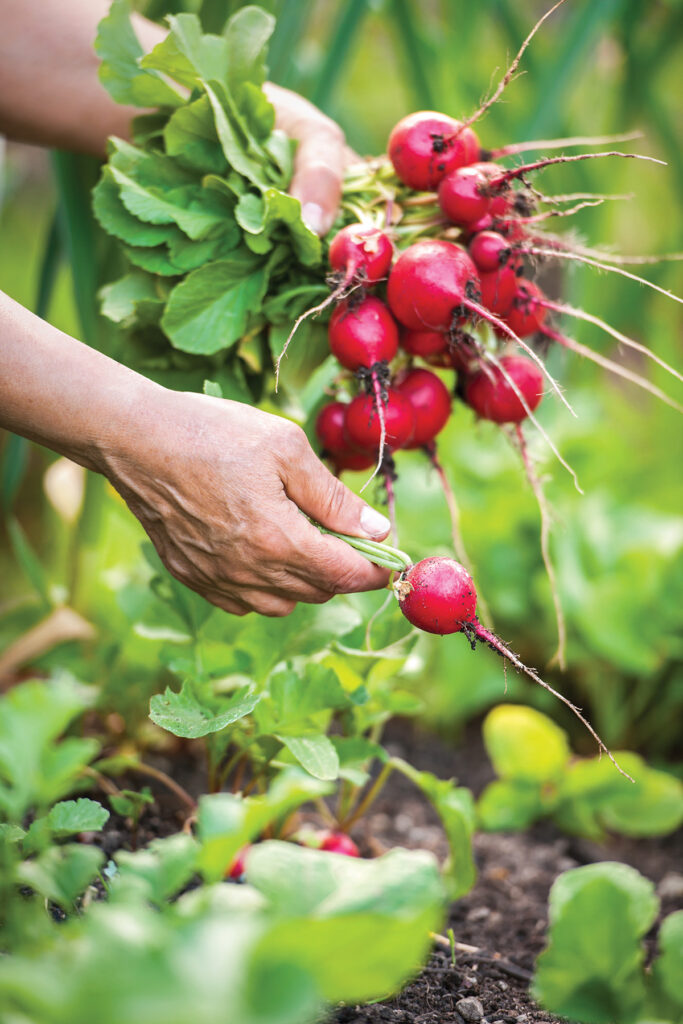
(593,969)
(539,777)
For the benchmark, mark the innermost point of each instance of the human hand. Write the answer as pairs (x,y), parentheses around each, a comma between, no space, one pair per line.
(219,486)
(320,157)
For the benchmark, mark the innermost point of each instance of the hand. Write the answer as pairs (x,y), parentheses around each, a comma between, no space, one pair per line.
(219,486)
(320,157)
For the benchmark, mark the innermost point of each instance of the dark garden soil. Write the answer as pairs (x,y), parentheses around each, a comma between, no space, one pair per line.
(499,926)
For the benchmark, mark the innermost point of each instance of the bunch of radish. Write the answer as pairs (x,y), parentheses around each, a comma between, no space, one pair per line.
(435,276)
(459,298)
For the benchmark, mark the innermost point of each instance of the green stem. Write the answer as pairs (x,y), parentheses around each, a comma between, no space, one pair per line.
(380,554)
(369,797)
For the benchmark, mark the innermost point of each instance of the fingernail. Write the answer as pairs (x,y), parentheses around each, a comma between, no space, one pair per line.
(313,217)
(373,522)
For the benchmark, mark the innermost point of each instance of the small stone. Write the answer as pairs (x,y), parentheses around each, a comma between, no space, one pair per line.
(671,886)
(470,1008)
(503,985)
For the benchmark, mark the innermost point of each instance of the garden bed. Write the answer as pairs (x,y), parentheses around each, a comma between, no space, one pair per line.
(499,927)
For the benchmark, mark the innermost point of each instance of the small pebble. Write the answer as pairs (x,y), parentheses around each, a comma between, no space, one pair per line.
(503,985)
(671,886)
(470,1008)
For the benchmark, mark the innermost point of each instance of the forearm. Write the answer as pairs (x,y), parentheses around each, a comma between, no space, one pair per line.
(50,92)
(62,394)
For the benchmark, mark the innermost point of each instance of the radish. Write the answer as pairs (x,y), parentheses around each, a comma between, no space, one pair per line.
(430,284)
(361,252)
(491,395)
(354,461)
(363,333)
(527,313)
(426,145)
(498,291)
(438,596)
(470,193)
(431,403)
(423,343)
(363,426)
(489,251)
(329,428)
(337,842)
(238,867)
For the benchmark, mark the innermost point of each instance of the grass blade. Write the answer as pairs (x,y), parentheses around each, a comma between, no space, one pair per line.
(337,51)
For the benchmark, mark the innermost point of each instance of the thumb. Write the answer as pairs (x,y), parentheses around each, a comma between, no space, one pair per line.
(324,498)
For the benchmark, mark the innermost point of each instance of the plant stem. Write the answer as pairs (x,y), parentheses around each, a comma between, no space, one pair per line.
(369,797)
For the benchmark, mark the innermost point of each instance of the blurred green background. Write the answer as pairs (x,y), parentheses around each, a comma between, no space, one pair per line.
(596,66)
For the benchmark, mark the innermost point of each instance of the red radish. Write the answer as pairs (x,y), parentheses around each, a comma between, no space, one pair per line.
(360,251)
(438,596)
(363,333)
(423,343)
(429,283)
(363,427)
(354,461)
(426,145)
(498,290)
(489,251)
(337,842)
(470,193)
(238,867)
(329,428)
(431,404)
(492,397)
(528,312)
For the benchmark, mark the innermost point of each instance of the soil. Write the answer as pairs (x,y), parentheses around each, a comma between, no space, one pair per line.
(499,926)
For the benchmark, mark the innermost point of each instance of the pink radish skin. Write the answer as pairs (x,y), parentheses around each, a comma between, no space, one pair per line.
(423,343)
(359,251)
(431,404)
(238,867)
(329,428)
(362,333)
(426,145)
(491,396)
(338,842)
(428,282)
(363,428)
(437,595)
(498,290)
(466,195)
(489,251)
(527,313)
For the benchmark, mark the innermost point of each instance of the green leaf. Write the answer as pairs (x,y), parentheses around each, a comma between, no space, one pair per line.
(118,48)
(117,220)
(295,696)
(666,970)
(184,714)
(509,805)
(315,753)
(62,873)
(187,55)
(29,562)
(455,807)
(226,823)
(155,261)
(36,770)
(187,255)
(525,744)
(247,34)
(213,389)
(121,300)
(190,136)
(231,139)
(209,310)
(196,211)
(592,968)
(130,803)
(594,797)
(360,926)
(268,214)
(82,815)
(160,870)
